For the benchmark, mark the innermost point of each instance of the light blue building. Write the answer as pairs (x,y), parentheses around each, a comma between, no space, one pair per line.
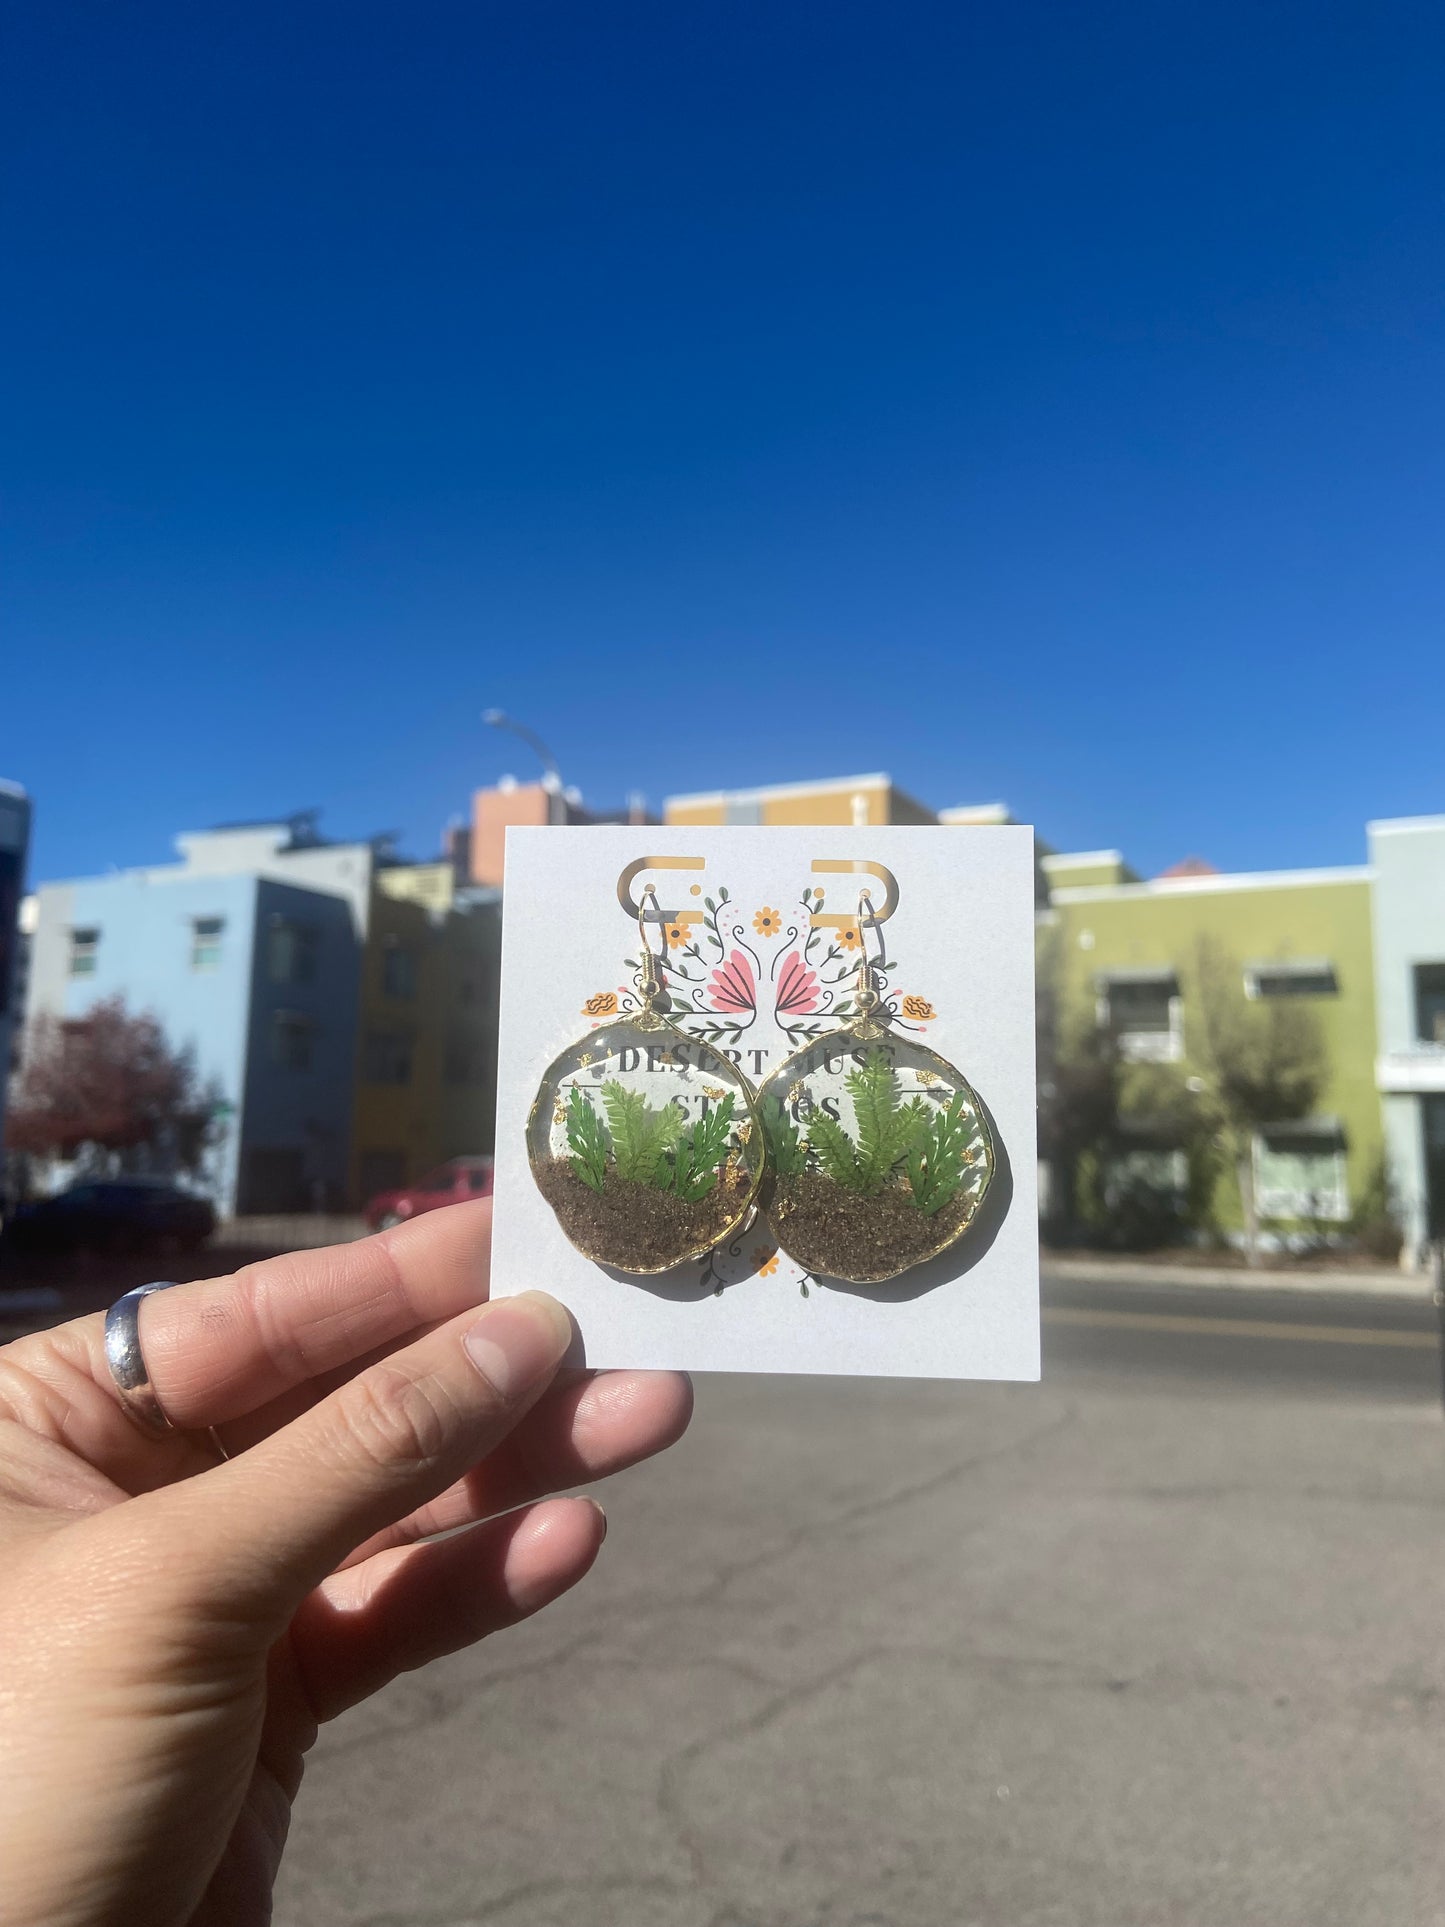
(249,953)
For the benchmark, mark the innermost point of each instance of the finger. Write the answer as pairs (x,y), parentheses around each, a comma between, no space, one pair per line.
(261,1530)
(579,1431)
(225,1346)
(401,1609)
(222,1347)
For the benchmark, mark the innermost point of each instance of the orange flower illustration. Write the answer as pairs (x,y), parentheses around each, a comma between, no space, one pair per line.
(604,1004)
(849,938)
(919,1009)
(676,935)
(767,923)
(766,1260)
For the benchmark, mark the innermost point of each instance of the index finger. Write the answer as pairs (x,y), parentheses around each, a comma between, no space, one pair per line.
(221,1347)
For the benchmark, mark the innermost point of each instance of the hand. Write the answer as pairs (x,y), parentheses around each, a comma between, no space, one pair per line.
(172,1628)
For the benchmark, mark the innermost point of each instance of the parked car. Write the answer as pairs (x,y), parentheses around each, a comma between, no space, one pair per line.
(451,1183)
(113,1215)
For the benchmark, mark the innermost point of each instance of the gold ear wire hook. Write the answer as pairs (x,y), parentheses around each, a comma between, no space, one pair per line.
(651,983)
(867,996)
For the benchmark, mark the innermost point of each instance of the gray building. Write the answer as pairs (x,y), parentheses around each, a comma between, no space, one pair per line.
(249,951)
(1408,859)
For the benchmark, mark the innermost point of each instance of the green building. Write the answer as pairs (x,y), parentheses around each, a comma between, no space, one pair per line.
(1127,958)
(1121,961)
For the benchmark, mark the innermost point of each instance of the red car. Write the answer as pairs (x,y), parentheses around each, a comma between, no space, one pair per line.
(451,1183)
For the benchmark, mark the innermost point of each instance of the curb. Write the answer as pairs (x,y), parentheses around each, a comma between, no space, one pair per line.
(1413,1287)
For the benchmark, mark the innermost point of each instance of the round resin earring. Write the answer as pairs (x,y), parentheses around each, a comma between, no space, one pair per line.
(645,1142)
(880,1150)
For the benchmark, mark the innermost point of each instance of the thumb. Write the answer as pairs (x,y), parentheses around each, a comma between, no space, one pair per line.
(264,1528)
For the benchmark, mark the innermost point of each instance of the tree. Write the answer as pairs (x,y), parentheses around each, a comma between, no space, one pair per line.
(1079,1075)
(108,1080)
(1257,1061)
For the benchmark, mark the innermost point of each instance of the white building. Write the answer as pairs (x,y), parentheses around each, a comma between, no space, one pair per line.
(1408,858)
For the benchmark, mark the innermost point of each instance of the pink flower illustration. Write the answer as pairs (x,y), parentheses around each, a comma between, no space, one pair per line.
(734,986)
(797,987)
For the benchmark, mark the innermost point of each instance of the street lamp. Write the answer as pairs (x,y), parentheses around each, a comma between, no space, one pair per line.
(551,775)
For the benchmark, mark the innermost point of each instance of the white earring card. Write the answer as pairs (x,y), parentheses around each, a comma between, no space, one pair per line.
(757,937)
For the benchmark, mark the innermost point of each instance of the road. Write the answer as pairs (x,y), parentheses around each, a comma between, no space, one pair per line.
(1322,1343)
(1155,1642)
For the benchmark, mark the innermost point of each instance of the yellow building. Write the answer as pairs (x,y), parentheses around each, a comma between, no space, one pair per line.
(844,799)
(426,1039)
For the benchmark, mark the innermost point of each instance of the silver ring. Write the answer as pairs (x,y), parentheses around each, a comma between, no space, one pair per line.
(127,1363)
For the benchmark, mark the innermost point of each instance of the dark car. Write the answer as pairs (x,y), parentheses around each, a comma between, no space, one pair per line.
(113,1214)
(450,1183)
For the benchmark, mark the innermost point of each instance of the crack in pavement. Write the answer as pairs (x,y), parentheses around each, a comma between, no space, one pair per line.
(443,1703)
(848,1515)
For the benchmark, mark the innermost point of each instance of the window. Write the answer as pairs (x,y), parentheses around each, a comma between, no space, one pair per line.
(1430,1002)
(1291,977)
(84,946)
(1299,1171)
(398,972)
(1143,1010)
(292,1035)
(291,952)
(1154,1168)
(386,1057)
(206,942)
(462,1061)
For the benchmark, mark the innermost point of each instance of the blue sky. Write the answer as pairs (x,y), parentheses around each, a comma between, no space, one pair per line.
(1037,402)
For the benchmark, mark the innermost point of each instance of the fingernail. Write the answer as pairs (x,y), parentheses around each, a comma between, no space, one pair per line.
(600,1513)
(519,1341)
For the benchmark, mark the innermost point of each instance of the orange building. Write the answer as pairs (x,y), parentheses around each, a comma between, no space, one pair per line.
(513,805)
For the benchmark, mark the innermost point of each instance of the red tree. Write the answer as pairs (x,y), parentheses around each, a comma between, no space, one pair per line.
(108,1079)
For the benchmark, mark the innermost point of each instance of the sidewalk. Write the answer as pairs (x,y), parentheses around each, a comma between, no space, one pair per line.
(296,1232)
(1373,1281)
(1093,1268)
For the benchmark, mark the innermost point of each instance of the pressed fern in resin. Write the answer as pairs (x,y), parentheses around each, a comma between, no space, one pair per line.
(890,1165)
(641,1135)
(640,1185)
(887,1129)
(587,1140)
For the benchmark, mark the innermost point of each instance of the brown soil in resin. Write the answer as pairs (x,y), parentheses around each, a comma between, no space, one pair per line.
(843,1234)
(635,1226)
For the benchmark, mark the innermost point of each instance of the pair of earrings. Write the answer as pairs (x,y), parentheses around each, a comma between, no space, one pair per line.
(866,1152)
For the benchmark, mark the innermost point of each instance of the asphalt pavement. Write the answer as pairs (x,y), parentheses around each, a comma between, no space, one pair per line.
(1155,1642)
(1327,1345)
